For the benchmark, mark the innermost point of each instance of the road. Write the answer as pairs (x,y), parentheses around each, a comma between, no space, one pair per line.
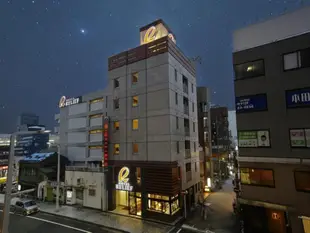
(45,223)
(220,218)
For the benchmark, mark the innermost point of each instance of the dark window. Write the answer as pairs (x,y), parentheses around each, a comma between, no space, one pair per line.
(177,122)
(116,83)
(188,167)
(116,104)
(176,99)
(302,181)
(178,147)
(250,69)
(305,58)
(192,88)
(176,75)
(253,176)
(193,107)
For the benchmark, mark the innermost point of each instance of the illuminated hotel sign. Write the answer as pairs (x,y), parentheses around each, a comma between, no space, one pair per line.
(154,32)
(64,102)
(105,142)
(123,180)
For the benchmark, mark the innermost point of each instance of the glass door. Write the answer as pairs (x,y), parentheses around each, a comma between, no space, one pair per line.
(135,203)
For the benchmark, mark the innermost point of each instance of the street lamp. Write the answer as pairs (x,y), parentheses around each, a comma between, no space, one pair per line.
(8,192)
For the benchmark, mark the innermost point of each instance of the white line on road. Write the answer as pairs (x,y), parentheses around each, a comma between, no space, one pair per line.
(55,223)
(59,224)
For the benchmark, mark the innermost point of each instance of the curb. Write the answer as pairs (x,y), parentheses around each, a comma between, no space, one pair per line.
(84,221)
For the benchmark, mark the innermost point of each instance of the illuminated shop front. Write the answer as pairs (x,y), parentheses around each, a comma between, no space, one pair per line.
(3,174)
(129,195)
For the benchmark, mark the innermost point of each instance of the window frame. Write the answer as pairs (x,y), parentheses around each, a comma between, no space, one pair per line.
(252,76)
(133,83)
(114,101)
(133,152)
(259,185)
(297,189)
(116,80)
(299,60)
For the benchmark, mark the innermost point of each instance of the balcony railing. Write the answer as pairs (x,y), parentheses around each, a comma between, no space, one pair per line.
(187,153)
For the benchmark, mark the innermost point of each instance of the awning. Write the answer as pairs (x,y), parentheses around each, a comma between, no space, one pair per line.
(264,204)
(306,223)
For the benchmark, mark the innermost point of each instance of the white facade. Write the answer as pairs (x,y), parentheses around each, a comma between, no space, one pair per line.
(85,187)
(282,27)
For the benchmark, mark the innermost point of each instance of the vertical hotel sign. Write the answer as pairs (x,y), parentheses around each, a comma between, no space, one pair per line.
(105,158)
(155,31)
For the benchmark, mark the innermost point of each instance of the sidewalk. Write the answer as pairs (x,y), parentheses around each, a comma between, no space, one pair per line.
(123,223)
(220,218)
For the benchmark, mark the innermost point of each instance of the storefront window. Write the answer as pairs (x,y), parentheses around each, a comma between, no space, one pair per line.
(163,204)
(138,175)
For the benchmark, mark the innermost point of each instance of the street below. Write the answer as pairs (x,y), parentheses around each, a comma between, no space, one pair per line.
(45,223)
(220,217)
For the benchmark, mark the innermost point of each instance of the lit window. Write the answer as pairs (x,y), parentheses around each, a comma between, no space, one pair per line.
(250,69)
(116,125)
(116,104)
(261,177)
(135,148)
(116,149)
(95,116)
(134,78)
(116,83)
(96,100)
(95,147)
(135,124)
(95,131)
(135,101)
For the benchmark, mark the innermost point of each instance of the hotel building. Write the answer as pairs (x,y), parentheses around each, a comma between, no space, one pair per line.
(142,128)
(272,88)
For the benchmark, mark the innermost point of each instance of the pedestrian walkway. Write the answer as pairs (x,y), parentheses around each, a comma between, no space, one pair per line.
(123,223)
(220,218)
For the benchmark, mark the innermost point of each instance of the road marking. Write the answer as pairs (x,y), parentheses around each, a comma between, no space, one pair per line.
(51,222)
(59,224)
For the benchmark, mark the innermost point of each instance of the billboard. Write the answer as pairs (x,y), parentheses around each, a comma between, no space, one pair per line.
(298,98)
(251,103)
(300,138)
(254,138)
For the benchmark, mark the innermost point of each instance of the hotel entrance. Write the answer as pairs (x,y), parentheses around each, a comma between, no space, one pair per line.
(128,203)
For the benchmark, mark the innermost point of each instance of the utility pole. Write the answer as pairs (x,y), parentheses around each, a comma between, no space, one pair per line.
(58,178)
(8,193)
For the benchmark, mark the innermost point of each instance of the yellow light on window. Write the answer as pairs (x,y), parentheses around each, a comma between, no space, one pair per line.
(96,100)
(250,68)
(116,125)
(134,78)
(135,101)
(95,131)
(116,149)
(135,148)
(135,124)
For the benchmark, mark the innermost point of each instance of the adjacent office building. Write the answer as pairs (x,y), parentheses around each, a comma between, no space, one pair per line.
(142,128)
(272,87)
(220,140)
(26,119)
(204,132)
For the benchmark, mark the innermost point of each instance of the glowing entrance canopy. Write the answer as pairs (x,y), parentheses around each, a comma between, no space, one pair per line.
(155,31)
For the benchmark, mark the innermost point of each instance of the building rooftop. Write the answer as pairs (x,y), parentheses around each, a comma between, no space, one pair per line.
(279,28)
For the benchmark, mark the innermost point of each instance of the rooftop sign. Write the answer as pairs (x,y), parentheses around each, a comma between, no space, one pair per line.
(155,31)
(64,102)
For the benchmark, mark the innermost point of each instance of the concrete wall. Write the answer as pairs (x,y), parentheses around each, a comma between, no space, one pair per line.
(89,180)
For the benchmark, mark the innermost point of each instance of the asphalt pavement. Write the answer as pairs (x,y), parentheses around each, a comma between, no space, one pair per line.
(45,223)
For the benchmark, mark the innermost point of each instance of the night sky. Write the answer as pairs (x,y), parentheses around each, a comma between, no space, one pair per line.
(53,48)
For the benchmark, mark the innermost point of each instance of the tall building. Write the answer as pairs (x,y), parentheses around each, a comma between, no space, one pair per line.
(142,128)
(26,119)
(220,140)
(204,133)
(272,87)
(232,122)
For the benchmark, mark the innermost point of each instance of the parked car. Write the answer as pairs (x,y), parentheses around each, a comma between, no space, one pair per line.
(25,207)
